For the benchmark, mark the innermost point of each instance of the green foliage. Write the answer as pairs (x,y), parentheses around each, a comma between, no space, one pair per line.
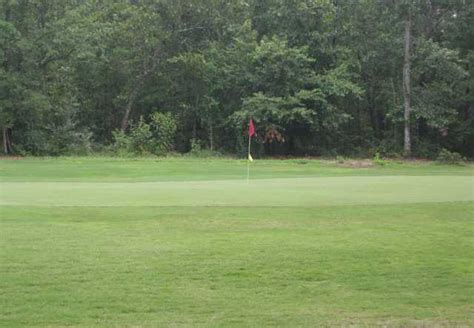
(199,151)
(426,149)
(439,73)
(196,146)
(122,142)
(144,138)
(447,157)
(319,77)
(378,160)
(137,142)
(163,126)
(141,138)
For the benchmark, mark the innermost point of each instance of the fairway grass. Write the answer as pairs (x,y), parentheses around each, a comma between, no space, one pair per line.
(122,243)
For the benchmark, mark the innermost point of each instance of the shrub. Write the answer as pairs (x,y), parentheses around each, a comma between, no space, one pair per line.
(143,138)
(390,147)
(164,130)
(447,157)
(122,143)
(137,142)
(196,146)
(425,149)
(82,143)
(379,160)
(198,150)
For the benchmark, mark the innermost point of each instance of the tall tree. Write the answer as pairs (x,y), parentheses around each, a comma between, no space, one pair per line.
(407,82)
(320,77)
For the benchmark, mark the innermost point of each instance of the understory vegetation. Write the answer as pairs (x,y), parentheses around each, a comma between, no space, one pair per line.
(318,77)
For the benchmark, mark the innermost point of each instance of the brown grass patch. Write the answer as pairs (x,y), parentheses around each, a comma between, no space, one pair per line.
(356,163)
(11,158)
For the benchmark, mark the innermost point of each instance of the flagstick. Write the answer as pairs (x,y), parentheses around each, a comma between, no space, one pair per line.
(248,171)
(248,161)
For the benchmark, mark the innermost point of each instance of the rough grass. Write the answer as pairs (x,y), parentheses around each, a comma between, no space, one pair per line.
(178,169)
(187,243)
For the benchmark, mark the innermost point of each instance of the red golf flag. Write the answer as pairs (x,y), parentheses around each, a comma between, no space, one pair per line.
(251,129)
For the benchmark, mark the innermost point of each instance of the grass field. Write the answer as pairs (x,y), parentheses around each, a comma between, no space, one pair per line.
(185,242)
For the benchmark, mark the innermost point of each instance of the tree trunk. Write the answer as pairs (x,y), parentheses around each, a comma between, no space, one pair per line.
(7,145)
(148,68)
(194,136)
(211,135)
(128,109)
(406,86)
(9,140)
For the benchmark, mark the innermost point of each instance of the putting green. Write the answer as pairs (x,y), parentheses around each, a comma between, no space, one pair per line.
(306,192)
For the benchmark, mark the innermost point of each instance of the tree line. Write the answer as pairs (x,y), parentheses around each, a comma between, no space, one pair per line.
(318,77)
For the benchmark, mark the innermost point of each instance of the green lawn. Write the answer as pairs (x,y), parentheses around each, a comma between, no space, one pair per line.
(186,242)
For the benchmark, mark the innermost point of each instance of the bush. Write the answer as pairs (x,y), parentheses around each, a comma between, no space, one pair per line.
(379,160)
(82,144)
(447,157)
(164,130)
(122,143)
(144,139)
(196,146)
(425,149)
(198,150)
(137,142)
(141,138)
(390,147)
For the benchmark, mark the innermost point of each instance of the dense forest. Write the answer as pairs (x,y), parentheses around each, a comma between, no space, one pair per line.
(318,77)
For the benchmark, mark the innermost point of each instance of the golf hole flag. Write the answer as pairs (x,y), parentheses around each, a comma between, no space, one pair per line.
(251,134)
